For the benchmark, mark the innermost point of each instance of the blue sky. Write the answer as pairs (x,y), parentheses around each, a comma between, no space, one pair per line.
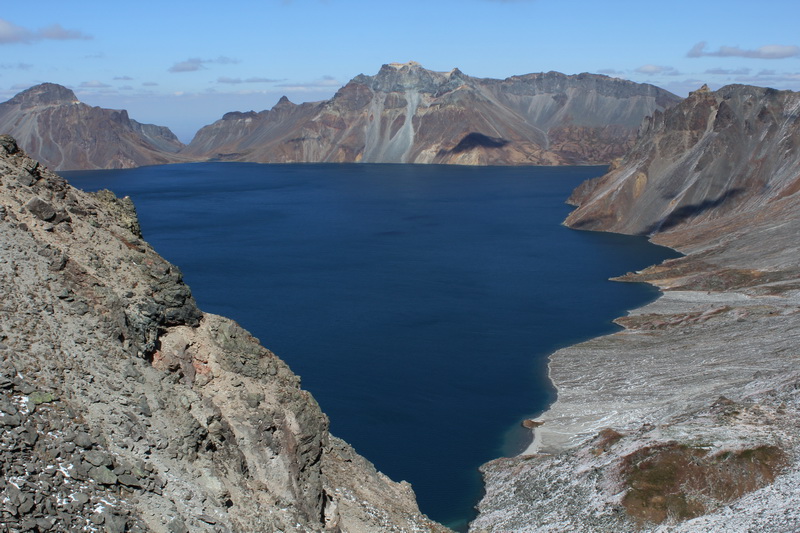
(184,64)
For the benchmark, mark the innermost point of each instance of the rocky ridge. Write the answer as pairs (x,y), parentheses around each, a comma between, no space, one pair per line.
(687,420)
(123,407)
(408,114)
(52,125)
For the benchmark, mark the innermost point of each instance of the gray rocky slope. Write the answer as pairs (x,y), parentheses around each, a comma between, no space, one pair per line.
(63,133)
(408,114)
(123,407)
(689,419)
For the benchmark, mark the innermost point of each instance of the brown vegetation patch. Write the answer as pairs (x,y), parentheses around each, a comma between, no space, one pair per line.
(670,269)
(656,321)
(734,278)
(696,275)
(678,482)
(605,439)
(723,280)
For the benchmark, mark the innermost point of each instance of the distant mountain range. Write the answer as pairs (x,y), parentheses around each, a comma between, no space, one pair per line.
(404,114)
(407,114)
(65,134)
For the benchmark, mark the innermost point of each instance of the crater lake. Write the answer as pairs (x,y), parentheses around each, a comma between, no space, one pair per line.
(418,303)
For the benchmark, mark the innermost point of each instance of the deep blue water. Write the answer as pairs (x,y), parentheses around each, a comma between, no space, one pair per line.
(418,303)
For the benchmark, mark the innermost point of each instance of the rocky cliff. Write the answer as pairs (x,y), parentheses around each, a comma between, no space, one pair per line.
(687,420)
(407,114)
(51,124)
(123,407)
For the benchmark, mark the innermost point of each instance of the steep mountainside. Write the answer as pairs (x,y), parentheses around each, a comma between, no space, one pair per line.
(125,408)
(716,157)
(51,124)
(407,114)
(689,419)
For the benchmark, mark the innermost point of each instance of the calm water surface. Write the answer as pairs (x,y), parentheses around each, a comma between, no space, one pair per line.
(418,303)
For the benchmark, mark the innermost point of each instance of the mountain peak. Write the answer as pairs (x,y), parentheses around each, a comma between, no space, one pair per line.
(54,127)
(409,64)
(404,76)
(45,94)
(702,90)
(285,102)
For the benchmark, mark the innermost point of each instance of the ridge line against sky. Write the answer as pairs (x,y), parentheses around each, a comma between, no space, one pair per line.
(183,65)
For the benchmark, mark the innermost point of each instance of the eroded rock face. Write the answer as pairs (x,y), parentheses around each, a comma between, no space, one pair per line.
(55,128)
(688,419)
(710,159)
(125,408)
(407,114)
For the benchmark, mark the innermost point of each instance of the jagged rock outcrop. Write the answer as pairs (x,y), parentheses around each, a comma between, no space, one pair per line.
(62,133)
(407,114)
(125,408)
(688,419)
(715,157)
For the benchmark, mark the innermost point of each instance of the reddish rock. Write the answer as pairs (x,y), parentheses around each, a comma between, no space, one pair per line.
(55,128)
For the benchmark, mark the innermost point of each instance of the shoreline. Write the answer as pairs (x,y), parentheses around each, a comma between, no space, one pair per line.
(539,433)
(687,419)
(679,361)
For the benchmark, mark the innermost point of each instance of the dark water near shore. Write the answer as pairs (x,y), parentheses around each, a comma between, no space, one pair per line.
(418,303)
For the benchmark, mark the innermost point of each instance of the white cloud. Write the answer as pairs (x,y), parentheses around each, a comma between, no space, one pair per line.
(223,60)
(57,33)
(11,33)
(728,72)
(194,64)
(94,84)
(190,65)
(772,51)
(261,80)
(649,69)
(785,80)
(325,82)
(657,69)
(17,66)
(236,81)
